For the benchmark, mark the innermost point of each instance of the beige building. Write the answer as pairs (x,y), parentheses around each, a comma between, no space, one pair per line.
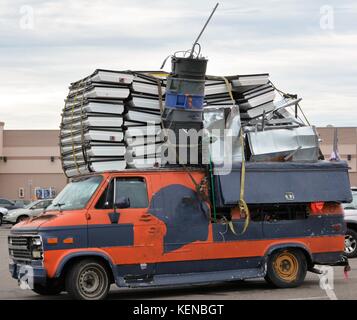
(30,159)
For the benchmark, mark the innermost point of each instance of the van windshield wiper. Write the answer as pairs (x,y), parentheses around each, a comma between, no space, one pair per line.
(59,205)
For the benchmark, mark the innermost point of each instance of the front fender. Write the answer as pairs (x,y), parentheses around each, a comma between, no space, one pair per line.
(84,254)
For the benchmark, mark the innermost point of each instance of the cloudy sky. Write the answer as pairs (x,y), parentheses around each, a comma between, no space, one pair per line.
(309,47)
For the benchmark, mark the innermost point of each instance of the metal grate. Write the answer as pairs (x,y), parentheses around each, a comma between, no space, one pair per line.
(19,248)
(18,241)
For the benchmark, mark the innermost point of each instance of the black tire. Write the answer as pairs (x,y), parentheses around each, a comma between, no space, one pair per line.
(50,289)
(0,219)
(286,268)
(351,243)
(88,280)
(21,218)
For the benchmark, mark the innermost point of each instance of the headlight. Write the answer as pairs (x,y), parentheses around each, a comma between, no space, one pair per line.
(36,254)
(36,242)
(36,248)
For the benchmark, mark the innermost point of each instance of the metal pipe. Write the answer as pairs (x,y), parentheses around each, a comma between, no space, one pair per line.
(203,29)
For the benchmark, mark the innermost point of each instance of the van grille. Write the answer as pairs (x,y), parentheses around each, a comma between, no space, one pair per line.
(20,247)
(18,241)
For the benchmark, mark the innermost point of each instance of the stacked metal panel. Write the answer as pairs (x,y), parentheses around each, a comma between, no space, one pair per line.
(108,118)
(112,120)
(142,122)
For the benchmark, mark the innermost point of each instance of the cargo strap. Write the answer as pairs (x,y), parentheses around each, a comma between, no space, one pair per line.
(84,151)
(242,205)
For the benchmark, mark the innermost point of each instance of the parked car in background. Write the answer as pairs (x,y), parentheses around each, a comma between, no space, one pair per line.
(21,203)
(351,221)
(8,204)
(3,212)
(33,209)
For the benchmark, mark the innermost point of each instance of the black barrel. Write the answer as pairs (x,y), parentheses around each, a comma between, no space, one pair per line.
(189,68)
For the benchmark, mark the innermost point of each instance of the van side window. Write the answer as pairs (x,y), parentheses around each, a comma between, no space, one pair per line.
(280,212)
(133,188)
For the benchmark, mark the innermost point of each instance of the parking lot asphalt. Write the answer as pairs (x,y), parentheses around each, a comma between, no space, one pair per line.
(250,290)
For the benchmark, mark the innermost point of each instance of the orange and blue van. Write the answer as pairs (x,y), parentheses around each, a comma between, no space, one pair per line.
(158,227)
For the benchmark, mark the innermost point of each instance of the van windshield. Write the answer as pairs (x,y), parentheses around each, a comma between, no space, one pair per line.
(76,194)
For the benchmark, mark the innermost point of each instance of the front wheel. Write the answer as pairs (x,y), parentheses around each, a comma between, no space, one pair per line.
(88,280)
(286,268)
(351,243)
(50,289)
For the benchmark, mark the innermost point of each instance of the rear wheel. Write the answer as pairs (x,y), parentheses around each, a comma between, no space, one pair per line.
(286,268)
(351,243)
(88,280)
(0,219)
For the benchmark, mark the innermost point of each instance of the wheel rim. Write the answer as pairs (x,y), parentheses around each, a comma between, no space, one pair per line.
(92,282)
(286,266)
(350,244)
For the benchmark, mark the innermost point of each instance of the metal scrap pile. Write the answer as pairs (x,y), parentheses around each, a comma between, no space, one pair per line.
(112,120)
(272,127)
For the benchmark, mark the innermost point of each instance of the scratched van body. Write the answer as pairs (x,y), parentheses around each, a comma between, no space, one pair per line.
(154,228)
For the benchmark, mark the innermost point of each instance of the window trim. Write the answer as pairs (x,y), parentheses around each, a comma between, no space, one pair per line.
(114,178)
(146,185)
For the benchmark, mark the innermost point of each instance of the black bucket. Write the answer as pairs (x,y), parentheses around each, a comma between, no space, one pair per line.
(189,68)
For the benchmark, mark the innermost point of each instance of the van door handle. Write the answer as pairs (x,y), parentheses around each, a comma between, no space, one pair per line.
(152,230)
(145,217)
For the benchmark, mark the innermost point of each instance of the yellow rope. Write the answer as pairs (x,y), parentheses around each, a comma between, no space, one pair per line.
(243,207)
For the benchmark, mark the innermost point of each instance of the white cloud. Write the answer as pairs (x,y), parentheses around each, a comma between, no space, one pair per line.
(72,38)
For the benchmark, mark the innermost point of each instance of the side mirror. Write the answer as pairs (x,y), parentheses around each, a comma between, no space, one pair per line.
(122,203)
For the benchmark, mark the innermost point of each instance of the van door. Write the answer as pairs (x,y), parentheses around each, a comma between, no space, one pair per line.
(129,236)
